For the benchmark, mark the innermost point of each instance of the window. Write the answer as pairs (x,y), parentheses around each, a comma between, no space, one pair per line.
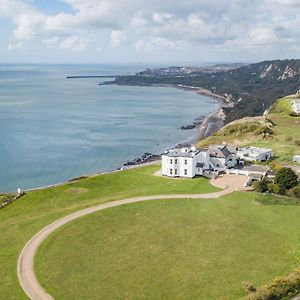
(171,172)
(175,161)
(171,161)
(185,161)
(185,171)
(175,171)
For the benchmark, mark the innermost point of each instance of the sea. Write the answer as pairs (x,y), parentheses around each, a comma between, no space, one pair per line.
(53,129)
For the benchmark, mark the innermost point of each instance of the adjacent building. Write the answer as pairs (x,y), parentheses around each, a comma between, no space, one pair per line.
(255,154)
(296,106)
(296,158)
(222,157)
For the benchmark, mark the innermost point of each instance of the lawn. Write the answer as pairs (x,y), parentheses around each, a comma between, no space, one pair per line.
(22,219)
(171,249)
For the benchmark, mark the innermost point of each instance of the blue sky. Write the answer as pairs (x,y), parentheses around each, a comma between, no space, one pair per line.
(156,31)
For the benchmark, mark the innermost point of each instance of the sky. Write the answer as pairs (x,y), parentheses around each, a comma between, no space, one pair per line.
(148,31)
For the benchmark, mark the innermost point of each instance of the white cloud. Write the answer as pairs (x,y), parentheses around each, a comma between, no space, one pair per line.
(158,43)
(16,46)
(214,24)
(117,37)
(74,43)
(161,17)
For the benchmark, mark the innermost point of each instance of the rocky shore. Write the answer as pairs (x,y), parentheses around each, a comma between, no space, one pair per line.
(145,158)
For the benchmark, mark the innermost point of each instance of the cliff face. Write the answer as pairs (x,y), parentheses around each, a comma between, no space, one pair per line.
(253,88)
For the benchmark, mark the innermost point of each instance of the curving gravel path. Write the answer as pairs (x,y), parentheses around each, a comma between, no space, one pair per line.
(25,268)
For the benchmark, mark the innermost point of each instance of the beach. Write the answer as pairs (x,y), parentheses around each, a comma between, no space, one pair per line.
(213,122)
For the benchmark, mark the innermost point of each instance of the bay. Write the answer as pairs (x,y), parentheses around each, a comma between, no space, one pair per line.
(53,128)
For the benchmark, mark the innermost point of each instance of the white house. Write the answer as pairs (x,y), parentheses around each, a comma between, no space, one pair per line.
(255,154)
(296,158)
(185,162)
(296,106)
(189,162)
(222,157)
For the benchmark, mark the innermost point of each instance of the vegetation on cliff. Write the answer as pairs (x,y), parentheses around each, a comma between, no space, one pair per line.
(253,88)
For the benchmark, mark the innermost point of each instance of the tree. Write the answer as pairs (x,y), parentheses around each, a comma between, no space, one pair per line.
(286,178)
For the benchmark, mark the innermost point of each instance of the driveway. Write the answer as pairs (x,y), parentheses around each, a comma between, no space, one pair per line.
(25,268)
(231,181)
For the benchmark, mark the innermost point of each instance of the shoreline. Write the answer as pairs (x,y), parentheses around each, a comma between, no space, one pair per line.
(211,123)
(206,127)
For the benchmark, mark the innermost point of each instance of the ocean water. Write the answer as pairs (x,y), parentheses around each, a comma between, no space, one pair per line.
(53,129)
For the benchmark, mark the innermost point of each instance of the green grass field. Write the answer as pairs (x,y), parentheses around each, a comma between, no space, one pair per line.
(171,249)
(22,219)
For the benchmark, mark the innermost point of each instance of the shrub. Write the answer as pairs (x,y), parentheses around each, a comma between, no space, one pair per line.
(288,139)
(271,199)
(294,192)
(275,188)
(249,287)
(260,186)
(280,288)
(297,142)
(286,178)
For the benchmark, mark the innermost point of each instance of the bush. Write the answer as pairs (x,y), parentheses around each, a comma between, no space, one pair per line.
(271,199)
(286,178)
(260,186)
(288,138)
(294,192)
(280,288)
(275,189)
(297,142)
(248,287)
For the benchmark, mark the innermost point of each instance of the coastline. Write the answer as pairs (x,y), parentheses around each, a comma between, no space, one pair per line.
(206,127)
(211,123)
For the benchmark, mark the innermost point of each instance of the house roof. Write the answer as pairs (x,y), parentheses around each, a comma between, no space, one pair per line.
(254,151)
(180,153)
(221,151)
(216,162)
(255,175)
(254,168)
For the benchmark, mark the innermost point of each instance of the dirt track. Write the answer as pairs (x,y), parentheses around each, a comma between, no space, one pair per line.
(25,267)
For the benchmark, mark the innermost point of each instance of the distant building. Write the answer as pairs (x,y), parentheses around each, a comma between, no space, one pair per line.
(255,154)
(296,106)
(296,158)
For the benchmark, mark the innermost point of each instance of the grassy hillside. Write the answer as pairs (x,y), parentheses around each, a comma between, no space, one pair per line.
(178,249)
(278,130)
(22,219)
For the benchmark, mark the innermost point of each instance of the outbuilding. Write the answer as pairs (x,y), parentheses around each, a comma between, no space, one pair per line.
(296,158)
